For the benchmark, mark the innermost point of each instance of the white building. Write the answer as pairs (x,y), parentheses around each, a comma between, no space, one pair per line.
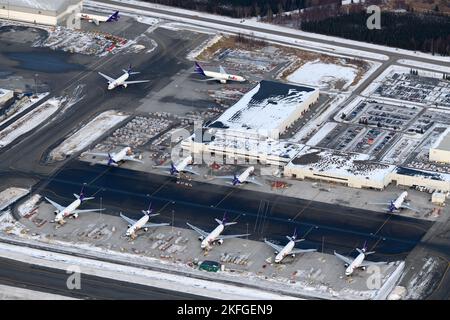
(48,12)
(249,130)
(440,150)
(350,169)
(5,95)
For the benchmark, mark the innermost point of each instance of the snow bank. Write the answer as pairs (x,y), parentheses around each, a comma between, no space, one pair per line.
(88,134)
(11,195)
(29,121)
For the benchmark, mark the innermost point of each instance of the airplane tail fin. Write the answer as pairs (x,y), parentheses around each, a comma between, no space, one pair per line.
(114,17)
(235,180)
(173,169)
(149,210)
(111,160)
(81,196)
(198,69)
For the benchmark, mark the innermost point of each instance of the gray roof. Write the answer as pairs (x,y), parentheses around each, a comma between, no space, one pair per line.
(48,5)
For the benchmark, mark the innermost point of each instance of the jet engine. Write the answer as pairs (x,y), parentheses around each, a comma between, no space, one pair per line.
(219,242)
(201,238)
(145,229)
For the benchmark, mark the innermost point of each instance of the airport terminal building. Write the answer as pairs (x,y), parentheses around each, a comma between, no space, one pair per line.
(249,130)
(47,12)
(440,150)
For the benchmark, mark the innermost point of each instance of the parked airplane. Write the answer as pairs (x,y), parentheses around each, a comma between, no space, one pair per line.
(397,204)
(244,177)
(358,262)
(71,210)
(135,225)
(215,237)
(115,159)
(288,249)
(122,80)
(180,167)
(221,76)
(97,19)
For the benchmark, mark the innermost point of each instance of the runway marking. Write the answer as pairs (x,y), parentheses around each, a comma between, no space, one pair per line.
(99,176)
(162,186)
(168,202)
(226,196)
(307,205)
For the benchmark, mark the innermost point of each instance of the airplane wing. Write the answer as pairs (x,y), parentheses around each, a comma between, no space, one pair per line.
(273,245)
(231,236)
(87,210)
(343,258)
(137,81)
(210,79)
(224,177)
(162,167)
(200,231)
(404,206)
(190,171)
(98,154)
(56,205)
(106,77)
(154,225)
(297,251)
(222,70)
(129,220)
(371,263)
(132,159)
(254,181)
(380,203)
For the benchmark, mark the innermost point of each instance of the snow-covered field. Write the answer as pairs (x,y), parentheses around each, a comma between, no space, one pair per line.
(88,134)
(28,205)
(29,121)
(27,105)
(10,195)
(324,75)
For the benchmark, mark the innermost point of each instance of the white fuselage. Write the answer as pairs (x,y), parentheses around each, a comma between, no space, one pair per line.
(68,211)
(184,163)
(93,17)
(224,77)
(399,201)
(138,225)
(210,238)
(119,156)
(285,251)
(120,81)
(355,264)
(244,175)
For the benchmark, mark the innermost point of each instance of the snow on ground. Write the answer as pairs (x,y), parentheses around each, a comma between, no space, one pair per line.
(88,134)
(421,281)
(306,44)
(136,275)
(322,133)
(27,105)
(253,23)
(208,43)
(29,121)
(418,64)
(324,75)
(28,205)
(10,195)
(16,293)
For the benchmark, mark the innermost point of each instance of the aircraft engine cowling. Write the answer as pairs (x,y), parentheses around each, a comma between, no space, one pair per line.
(201,238)
(363,268)
(346,265)
(129,226)
(219,242)
(125,85)
(56,212)
(145,229)
(223,81)
(293,255)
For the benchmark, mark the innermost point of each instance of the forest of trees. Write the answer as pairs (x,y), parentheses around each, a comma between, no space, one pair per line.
(421,32)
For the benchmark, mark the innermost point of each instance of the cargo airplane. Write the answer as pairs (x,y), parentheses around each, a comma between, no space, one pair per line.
(97,19)
(122,80)
(396,205)
(114,159)
(288,249)
(222,76)
(244,177)
(358,262)
(215,237)
(62,212)
(175,169)
(135,225)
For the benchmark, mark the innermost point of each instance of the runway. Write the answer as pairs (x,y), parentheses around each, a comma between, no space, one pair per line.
(263,215)
(39,278)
